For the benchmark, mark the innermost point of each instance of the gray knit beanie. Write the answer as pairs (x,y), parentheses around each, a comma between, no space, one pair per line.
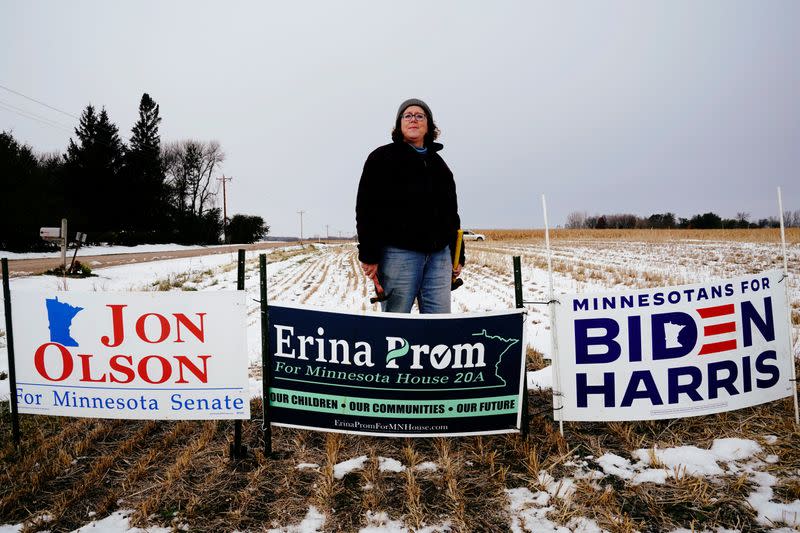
(414,101)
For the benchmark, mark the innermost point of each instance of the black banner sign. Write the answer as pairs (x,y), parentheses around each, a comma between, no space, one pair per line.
(390,375)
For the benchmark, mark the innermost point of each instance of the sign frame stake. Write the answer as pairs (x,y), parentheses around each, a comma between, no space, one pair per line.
(266,357)
(238,450)
(788,311)
(12,374)
(553,331)
(75,254)
(519,304)
(64,246)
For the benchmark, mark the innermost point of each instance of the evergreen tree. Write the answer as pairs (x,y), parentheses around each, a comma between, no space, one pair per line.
(93,186)
(25,197)
(144,173)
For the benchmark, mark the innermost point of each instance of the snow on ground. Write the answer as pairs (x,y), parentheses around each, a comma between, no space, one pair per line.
(328,276)
(104,250)
(110,250)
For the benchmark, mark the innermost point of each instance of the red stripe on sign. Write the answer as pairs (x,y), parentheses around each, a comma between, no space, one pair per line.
(716,347)
(719,329)
(720,310)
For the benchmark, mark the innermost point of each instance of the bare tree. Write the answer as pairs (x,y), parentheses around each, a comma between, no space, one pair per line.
(576,220)
(791,219)
(172,156)
(743,219)
(190,167)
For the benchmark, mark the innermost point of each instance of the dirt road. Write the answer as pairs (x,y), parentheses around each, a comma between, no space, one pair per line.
(27,267)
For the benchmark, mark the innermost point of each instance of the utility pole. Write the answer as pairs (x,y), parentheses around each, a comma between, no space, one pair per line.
(301,224)
(224,180)
(327,232)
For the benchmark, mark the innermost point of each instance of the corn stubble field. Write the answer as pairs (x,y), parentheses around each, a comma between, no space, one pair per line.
(178,474)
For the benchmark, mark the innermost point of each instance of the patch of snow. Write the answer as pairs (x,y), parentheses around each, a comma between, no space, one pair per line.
(561,488)
(345,467)
(689,460)
(313,522)
(734,449)
(614,465)
(529,513)
(695,461)
(584,525)
(381,523)
(540,379)
(651,475)
(717,530)
(305,466)
(387,464)
(118,522)
(771,512)
(427,466)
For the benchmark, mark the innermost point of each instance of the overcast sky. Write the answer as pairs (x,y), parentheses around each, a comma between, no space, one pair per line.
(604,107)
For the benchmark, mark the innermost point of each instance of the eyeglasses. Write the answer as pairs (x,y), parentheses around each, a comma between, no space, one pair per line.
(418,116)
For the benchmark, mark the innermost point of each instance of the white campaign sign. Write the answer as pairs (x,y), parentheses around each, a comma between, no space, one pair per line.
(131,355)
(676,351)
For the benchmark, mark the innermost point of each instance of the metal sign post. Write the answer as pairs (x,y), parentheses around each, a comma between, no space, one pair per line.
(519,304)
(239,451)
(789,310)
(557,400)
(80,238)
(64,245)
(266,358)
(12,374)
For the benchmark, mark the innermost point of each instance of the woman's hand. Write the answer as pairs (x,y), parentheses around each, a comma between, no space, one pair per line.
(370,270)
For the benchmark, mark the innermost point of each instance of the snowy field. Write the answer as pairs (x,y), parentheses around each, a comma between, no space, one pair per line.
(327,276)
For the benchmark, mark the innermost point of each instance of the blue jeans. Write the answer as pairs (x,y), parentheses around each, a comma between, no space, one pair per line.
(406,275)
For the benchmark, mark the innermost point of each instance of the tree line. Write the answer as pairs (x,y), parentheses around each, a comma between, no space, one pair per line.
(144,191)
(710,220)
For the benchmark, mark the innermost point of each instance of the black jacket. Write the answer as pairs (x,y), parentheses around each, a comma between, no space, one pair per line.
(406,199)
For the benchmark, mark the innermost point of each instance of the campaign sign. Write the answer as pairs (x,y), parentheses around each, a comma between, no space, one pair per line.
(132,355)
(676,351)
(388,374)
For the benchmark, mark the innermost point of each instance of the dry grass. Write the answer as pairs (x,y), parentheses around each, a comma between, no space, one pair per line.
(645,235)
(174,473)
(178,474)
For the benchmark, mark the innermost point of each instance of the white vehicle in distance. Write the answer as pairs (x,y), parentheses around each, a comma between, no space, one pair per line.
(471,236)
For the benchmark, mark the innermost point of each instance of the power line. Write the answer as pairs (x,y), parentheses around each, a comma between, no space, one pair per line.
(33,116)
(48,122)
(38,101)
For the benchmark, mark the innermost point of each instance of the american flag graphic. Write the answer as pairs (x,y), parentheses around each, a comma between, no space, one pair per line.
(719,329)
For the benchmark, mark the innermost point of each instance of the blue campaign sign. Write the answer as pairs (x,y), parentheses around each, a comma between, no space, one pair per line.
(396,375)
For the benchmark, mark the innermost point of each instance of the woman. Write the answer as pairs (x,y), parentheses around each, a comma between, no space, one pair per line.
(407,216)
